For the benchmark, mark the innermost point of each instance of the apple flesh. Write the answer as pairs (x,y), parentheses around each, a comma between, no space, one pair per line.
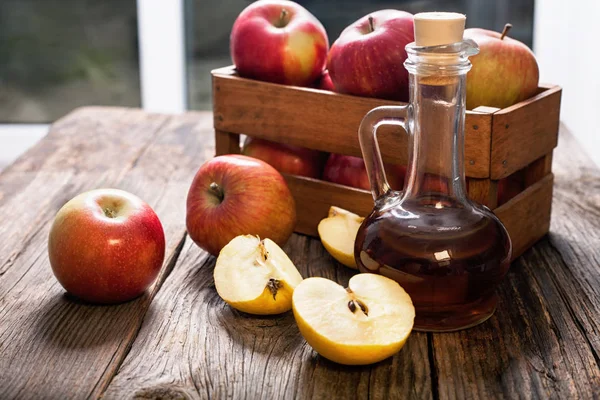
(286,158)
(279,41)
(368,57)
(365,323)
(234,195)
(106,246)
(351,171)
(504,72)
(255,276)
(338,233)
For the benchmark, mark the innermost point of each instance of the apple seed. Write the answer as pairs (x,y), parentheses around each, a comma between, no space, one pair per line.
(274,285)
(352,306)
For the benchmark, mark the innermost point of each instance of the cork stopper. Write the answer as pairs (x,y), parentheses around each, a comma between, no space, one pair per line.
(438,28)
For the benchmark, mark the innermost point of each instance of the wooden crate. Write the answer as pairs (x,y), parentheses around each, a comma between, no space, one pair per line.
(514,143)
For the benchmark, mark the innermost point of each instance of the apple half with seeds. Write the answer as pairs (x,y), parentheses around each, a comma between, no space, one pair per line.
(363,324)
(256,276)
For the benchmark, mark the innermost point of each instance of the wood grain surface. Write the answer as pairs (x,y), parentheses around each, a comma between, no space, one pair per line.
(180,340)
(301,117)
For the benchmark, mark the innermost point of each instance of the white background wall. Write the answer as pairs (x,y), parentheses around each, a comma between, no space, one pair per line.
(567,45)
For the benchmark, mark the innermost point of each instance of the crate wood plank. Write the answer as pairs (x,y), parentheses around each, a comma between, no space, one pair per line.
(198,347)
(538,169)
(226,143)
(51,345)
(525,132)
(325,120)
(483,191)
(314,197)
(527,215)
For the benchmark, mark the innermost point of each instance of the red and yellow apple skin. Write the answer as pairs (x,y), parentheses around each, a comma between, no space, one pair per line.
(106,246)
(351,171)
(286,158)
(235,195)
(370,62)
(279,41)
(504,72)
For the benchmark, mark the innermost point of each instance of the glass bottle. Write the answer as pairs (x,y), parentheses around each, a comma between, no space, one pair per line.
(446,251)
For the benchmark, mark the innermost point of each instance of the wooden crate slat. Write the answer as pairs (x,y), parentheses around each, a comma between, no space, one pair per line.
(314,197)
(527,215)
(325,120)
(525,132)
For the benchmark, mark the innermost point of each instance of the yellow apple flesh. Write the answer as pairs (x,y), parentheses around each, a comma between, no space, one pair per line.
(363,324)
(255,276)
(338,232)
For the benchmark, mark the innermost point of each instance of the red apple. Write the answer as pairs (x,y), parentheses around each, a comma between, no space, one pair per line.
(234,195)
(286,158)
(279,41)
(504,72)
(325,82)
(368,57)
(351,171)
(106,246)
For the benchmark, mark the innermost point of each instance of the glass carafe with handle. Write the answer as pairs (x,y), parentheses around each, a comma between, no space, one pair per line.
(446,251)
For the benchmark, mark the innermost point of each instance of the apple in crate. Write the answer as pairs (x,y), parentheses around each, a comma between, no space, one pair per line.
(325,82)
(255,276)
(106,246)
(234,195)
(286,158)
(279,41)
(368,57)
(351,171)
(366,322)
(504,72)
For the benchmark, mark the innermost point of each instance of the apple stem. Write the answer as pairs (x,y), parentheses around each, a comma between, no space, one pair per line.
(283,18)
(371,24)
(110,213)
(217,191)
(505,30)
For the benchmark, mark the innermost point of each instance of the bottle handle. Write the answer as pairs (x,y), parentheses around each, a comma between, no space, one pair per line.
(367,136)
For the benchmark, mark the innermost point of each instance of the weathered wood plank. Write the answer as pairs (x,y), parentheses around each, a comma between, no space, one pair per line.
(200,347)
(51,345)
(531,347)
(543,340)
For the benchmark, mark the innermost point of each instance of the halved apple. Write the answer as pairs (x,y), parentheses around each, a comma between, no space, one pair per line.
(255,276)
(365,323)
(338,233)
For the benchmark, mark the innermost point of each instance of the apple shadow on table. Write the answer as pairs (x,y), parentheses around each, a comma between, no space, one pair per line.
(69,323)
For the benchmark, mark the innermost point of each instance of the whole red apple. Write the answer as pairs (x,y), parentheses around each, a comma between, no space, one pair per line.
(286,158)
(504,72)
(234,195)
(106,246)
(351,171)
(279,41)
(368,57)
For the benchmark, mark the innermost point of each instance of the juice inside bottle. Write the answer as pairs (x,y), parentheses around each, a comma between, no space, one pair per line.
(448,258)
(446,251)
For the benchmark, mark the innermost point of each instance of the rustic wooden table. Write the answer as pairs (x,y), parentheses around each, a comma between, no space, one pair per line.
(181,341)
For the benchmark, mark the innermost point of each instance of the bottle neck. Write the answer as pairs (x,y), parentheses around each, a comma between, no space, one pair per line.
(436,148)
